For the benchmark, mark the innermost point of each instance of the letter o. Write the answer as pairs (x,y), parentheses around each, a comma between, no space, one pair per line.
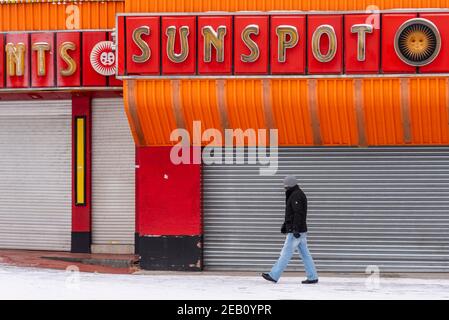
(329,31)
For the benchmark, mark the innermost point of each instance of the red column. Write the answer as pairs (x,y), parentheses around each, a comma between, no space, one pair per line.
(81,210)
(168,211)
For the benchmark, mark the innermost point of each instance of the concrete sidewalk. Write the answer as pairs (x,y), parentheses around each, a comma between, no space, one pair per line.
(36,283)
(99,263)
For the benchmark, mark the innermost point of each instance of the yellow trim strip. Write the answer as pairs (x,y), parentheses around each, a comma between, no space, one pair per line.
(80,161)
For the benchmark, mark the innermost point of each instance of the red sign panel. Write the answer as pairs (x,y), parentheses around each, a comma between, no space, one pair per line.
(283,43)
(2,54)
(362,45)
(212,60)
(42,57)
(179,45)
(288,48)
(391,63)
(91,77)
(50,59)
(326,56)
(112,80)
(251,44)
(147,50)
(68,70)
(441,63)
(18,53)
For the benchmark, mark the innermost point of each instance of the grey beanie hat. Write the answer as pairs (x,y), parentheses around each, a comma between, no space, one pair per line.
(290,181)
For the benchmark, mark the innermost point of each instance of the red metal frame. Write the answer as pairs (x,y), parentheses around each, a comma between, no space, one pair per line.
(81,215)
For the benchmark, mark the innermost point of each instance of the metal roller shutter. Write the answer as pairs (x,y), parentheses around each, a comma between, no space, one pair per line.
(387,207)
(113,178)
(35,175)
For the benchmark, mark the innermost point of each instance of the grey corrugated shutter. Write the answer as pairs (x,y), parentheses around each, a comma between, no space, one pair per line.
(35,175)
(113,175)
(387,207)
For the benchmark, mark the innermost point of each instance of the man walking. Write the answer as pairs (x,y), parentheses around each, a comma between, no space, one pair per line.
(295,226)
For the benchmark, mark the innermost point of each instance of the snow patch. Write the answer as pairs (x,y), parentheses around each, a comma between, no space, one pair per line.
(31,283)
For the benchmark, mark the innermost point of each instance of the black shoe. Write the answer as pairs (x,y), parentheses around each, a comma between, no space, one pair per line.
(310,281)
(267,277)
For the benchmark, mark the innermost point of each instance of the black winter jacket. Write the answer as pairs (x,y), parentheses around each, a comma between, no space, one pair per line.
(295,211)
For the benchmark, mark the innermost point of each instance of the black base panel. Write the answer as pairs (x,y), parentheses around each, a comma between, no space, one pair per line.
(81,242)
(136,243)
(173,253)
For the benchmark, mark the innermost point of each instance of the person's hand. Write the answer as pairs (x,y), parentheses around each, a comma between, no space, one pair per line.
(297,235)
(283,229)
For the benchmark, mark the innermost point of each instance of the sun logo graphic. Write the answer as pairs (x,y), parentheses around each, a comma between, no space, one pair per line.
(102,58)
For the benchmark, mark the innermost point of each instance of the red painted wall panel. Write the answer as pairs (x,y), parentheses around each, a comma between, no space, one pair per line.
(189,65)
(75,79)
(2,55)
(295,57)
(152,66)
(336,65)
(90,76)
(372,47)
(22,81)
(49,79)
(441,63)
(215,67)
(260,66)
(81,215)
(168,196)
(136,197)
(390,60)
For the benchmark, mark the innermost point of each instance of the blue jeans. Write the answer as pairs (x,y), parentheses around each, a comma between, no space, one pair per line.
(290,245)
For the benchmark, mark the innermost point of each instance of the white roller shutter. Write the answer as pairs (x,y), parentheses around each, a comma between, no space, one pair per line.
(387,207)
(35,175)
(113,178)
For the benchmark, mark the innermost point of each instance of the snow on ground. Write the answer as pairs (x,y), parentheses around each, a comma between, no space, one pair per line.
(30,283)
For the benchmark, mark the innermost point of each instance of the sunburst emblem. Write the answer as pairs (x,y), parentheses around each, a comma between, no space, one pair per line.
(102,58)
(418,42)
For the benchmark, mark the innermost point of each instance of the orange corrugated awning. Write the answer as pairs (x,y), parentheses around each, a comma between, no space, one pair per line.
(53,15)
(306,112)
(267,5)
(332,112)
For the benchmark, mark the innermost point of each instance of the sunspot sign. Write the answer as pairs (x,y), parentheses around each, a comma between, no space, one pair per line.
(102,58)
